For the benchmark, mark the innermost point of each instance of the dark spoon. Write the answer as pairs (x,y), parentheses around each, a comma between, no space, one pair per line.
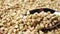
(46,10)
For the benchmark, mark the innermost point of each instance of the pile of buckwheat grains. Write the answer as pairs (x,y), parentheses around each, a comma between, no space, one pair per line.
(11,13)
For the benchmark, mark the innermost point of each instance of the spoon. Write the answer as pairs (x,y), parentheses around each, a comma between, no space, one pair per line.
(46,10)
